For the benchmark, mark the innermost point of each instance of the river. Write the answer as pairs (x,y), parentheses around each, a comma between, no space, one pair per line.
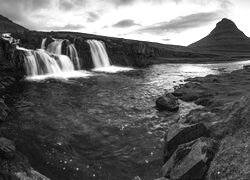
(101,125)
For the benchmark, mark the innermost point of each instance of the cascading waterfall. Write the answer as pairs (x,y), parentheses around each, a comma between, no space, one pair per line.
(99,54)
(72,53)
(40,62)
(43,43)
(55,47)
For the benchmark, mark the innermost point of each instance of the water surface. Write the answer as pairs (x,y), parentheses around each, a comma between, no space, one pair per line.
(100,126)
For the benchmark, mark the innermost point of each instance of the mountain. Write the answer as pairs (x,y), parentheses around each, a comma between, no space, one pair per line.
(7,26)
(225,39)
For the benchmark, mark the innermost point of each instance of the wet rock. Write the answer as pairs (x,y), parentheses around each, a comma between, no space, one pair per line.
(179,134)
(3,110)
(190,160)
(137,178)
(31,175)
(198,116)
(167,102)
(246,67)
(162,178)
(7,81)
(14,165)
(7,148)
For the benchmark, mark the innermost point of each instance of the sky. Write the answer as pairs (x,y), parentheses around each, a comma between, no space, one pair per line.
(179,22)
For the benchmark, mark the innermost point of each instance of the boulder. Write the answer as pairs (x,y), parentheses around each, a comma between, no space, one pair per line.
(179,134)
(191,160)
(7,148)
(167,102)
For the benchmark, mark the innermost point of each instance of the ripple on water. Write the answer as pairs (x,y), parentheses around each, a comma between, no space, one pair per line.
(104,126)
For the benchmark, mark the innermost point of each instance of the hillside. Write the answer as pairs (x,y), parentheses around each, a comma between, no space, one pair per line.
(7,25)
(226,39)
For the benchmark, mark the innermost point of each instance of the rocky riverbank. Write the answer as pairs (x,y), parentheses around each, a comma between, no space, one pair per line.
(13,164)
(212,142)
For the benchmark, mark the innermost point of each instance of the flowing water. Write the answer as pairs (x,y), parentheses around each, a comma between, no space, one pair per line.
(99,55)
(72,53)
(43,43)
(103,126)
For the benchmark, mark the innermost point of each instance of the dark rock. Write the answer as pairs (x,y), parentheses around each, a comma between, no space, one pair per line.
(167,102)
(7,148)
(191,160)
(199,116)
(246,67)
(179,134)
(162,178)
(3,110)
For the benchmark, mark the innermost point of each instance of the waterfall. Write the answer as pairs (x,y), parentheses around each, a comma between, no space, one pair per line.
(40,62)
(43,43)
(55,47)
(99,54)
(72,53)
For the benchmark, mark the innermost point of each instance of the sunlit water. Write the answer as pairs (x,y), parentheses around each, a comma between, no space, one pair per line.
(100,126)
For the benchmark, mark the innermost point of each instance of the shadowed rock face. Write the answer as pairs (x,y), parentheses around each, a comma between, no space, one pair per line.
(190,160)
(225,38)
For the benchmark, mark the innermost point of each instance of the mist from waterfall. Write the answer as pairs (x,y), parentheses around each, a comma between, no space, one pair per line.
(72,53)
(99,54)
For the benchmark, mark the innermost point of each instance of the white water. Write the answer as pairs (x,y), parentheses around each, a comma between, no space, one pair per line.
(112,69)
(99,54)
(43,43)
(55,47)
(72,53)
(40,62)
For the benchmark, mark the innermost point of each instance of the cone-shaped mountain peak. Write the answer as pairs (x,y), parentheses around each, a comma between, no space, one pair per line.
(225,38)
(227,26)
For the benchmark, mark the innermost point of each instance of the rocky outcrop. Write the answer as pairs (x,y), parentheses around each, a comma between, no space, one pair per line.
(179,134)
(14,165)
(225,38)
(190,160)
(167,102)
(4,110)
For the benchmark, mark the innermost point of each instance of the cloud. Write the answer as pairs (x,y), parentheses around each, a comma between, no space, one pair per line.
(92,17)
(167,39)
(181,23)
(125,23)
(68,5)
(67,27)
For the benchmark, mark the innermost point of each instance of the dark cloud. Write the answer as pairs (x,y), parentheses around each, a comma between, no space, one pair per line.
(93,17)
(167,39)
(68,5)
(130,2)
(67,27)
(181,23)
(125,23)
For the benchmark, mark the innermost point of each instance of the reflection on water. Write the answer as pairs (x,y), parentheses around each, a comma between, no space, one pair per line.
(63,75)
(101,127)
(112,69)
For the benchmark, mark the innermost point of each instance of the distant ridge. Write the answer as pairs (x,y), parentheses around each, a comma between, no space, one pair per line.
(225,38)
(7,25)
